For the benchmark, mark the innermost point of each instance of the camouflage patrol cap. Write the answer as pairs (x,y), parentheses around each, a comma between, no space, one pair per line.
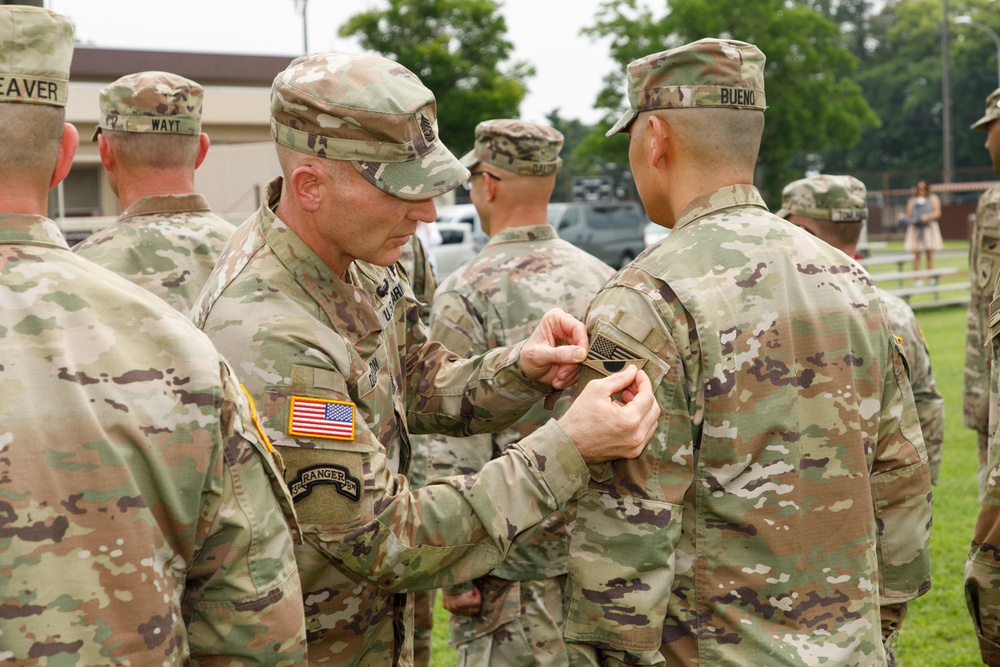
(158,102)
(517,146)
(825,197)
(992,112)
(371,111)
(706,73)
(37,47)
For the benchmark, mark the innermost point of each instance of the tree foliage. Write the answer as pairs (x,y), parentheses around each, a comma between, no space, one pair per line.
(813,102)
(460,51)
(902,81)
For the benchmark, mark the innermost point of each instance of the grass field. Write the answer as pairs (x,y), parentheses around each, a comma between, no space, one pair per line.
(937,631)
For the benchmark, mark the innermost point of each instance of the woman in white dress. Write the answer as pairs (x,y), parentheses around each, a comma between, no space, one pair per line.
(923,210)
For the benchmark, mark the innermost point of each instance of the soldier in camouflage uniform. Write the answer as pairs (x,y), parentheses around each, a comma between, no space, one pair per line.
(984,262)
(137,520)
(833,208)
(309,305)
(416,262)
(781,513)
(982,574)
(166,240)
(513,616)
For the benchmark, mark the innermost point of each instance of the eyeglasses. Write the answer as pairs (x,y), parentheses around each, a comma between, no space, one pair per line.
(472,174)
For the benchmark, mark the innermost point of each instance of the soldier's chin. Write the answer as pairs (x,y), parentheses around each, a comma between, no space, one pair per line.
(388,257)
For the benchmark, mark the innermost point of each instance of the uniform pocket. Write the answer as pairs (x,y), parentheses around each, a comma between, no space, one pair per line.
(621,570)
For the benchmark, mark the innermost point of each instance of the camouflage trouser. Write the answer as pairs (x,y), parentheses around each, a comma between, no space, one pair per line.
(423,627)
(983,449)
(892,621)
(423,601)
(532,634)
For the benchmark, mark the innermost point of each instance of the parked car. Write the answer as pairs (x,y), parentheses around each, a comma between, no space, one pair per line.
(456,248)
(611,231)
(654,233)
(467,214)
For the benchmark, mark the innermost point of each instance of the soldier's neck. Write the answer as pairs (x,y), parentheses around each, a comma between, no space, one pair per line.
(153,183)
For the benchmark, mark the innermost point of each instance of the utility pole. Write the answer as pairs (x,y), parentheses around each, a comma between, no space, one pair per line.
(304,4)
(949,156)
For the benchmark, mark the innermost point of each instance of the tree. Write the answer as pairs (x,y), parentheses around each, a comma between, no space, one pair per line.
(813,103)
(902,81)
(458,49)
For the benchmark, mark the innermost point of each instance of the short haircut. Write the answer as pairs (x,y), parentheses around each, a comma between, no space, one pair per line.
(841,233)
(29,138)
(837,234)
(138,150)
(290,159)
(719,139)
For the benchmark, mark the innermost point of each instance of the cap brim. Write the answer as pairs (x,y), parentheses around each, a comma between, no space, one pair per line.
(623,122)
(97,131)
(783,213)
(470,159)
(983,122)
(432,175)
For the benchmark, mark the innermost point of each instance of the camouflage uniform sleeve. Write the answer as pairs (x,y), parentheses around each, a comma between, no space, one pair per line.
(982,571)
(458,528)
(984,260)
(929,402)
(625,527)
(462,397)
(901,490)
(243,599)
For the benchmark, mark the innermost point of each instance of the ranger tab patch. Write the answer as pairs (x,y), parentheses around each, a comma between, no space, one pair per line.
(321,418)
(346,484)
(606,356)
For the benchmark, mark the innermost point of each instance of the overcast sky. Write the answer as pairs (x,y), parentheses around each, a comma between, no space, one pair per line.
(569,67)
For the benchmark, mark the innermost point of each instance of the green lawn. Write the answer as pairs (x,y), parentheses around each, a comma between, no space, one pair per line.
(937,631)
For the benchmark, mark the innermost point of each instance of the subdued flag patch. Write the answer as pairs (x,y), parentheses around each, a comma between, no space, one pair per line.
(606,356)
(320,418)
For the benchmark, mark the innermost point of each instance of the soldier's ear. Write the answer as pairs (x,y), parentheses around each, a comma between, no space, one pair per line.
(203,143)
(660,136)
(104,150)
(307,185)
(68,144)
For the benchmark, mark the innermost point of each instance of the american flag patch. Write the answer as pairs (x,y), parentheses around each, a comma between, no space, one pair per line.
(606,356)
(319,418)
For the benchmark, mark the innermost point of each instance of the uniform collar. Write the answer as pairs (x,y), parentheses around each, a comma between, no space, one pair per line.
(186,203)
(532,233)
(345,301)
(23,228)
(729,196)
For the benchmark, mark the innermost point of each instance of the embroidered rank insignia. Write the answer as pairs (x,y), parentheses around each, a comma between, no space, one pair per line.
(320,418)
(606,356)
(346,484)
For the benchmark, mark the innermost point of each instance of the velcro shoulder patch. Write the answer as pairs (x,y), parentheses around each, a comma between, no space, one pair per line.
(988,260)
(994,321)
(339,476)
(612,349)
(321,418)
(607,356)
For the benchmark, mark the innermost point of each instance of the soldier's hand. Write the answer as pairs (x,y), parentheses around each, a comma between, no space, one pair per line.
(466,603)
(555,349)
(604,429)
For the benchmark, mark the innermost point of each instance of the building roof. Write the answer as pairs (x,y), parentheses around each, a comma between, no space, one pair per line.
(106,65)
